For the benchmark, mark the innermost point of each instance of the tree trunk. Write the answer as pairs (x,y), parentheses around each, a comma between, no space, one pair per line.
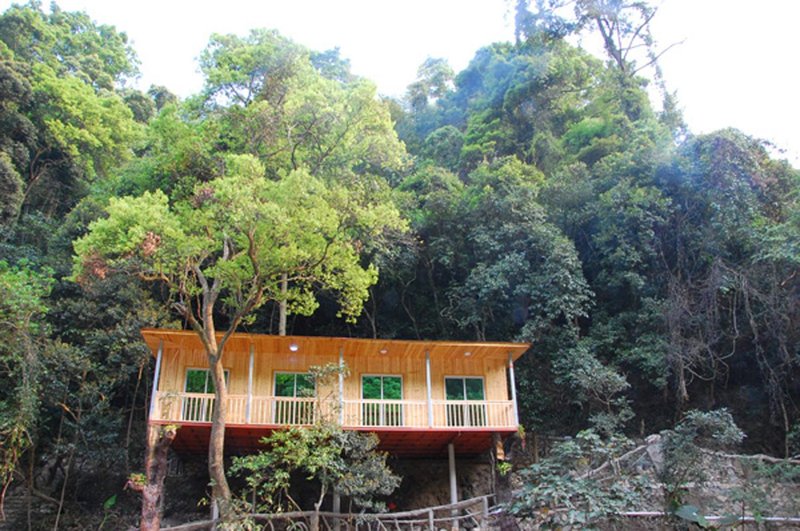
(283,306)
(314,523)
(158,442)
(502,478)
(220,491)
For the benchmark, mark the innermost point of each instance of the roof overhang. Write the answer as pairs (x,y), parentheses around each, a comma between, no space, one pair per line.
(316,345)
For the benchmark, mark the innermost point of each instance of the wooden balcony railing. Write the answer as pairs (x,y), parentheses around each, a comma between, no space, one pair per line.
(269,411)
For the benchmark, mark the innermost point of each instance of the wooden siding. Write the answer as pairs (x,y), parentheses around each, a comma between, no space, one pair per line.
(176,362)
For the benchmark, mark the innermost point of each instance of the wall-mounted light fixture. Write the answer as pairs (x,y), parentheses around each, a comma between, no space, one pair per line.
(294,347)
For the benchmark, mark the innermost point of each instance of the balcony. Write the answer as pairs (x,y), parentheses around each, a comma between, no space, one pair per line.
(373,415)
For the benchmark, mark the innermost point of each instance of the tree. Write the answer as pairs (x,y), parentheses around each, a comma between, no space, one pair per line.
(271,102)
(295,109)
(22,340)
(565,488)
(64,125)
(228,247)
(434,81)
(344,462)
(70,43)
(624,27)
(515,273)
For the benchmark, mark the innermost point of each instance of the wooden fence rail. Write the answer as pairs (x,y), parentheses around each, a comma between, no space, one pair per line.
(468,514)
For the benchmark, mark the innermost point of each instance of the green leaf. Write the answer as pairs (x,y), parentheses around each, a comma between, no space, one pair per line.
(110,503)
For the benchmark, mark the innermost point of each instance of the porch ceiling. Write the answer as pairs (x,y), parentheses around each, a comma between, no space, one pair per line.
(351,347)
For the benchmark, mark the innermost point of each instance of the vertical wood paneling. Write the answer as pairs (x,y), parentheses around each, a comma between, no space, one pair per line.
(411,368)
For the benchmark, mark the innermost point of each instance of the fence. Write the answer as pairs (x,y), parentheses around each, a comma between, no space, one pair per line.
(474,513)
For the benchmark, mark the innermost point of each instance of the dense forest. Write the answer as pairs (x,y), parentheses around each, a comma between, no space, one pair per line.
(538,195)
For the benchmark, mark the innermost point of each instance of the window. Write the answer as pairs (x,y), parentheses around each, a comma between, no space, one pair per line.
(200,381)
(384,388)
(463,392)
(199,408)
(294,393)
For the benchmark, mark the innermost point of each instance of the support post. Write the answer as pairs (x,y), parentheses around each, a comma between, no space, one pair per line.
(156,376)
(513,385)
(248,408)
(451,461)
(428,387)
(341,399)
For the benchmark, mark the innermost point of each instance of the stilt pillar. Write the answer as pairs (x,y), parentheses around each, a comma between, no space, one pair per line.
(451,460)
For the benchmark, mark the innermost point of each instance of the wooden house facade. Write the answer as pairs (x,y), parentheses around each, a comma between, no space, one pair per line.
(419,397)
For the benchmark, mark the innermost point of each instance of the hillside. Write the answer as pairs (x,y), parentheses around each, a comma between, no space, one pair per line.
(538,195)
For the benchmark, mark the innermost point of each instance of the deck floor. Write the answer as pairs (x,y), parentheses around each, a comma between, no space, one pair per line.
(400,442)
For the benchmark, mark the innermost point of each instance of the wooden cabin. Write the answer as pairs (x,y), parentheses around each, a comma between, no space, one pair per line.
(419,397)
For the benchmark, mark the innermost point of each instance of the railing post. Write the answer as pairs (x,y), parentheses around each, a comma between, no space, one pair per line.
(248,408)
(341,388)
(156,376)
(428,387)
(431,524)
(513,386)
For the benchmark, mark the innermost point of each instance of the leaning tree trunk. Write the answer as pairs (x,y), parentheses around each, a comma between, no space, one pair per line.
(221,492)
(158,442)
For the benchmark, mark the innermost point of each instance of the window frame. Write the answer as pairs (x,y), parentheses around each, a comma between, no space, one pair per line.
(194,409)
(382,376)
(381,414)
(463,378)
(294,389)
(465,412)
(227,373)
(287,412)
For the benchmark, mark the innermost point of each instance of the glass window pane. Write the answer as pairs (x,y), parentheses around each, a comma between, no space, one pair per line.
(284,384)
(371,387)
(196,381)
(474,388)
(305,385)
(454,388)
(392,388)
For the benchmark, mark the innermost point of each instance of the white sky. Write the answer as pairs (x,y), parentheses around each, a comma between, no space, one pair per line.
(736,68)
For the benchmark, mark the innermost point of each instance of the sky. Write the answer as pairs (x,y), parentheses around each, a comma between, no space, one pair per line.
(735,65)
